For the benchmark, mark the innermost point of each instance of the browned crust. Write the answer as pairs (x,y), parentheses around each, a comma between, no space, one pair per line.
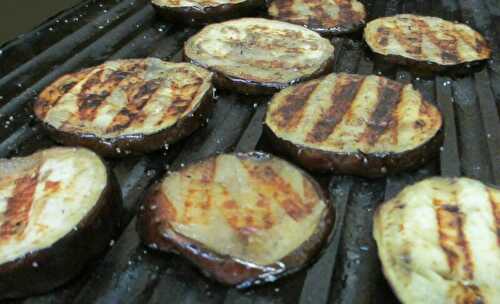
(348,27)
(134,144)
(367,165)
(249,87)
(199,16)
(45,269)
(222,268)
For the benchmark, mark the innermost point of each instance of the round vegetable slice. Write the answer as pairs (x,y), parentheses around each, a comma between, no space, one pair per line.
(59,208)
(259,56)
(206,11)
(426,42)
(243,219)
(439,241)
(329,17)
(126,106)
(354,124)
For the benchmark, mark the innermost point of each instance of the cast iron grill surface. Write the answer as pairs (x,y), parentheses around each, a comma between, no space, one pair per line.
(349,270)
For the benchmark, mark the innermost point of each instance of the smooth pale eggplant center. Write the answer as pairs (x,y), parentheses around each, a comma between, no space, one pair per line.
(42,202)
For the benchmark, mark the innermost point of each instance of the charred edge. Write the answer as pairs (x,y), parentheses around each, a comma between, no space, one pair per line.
(290,113)
(495,207)
(382,118)
(452,238)
(18,207)
(135,104)
(448,48)
(344,94)
(293,206)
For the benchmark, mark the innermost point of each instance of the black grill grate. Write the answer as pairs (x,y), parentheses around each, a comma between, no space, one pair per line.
(349,271)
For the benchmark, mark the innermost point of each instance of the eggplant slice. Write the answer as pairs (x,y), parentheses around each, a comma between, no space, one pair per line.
(428,43)
(195,12)
(59,208)
(259,56)
(126,106)
(243,219)
(353,124)
(327,17)
(439,242)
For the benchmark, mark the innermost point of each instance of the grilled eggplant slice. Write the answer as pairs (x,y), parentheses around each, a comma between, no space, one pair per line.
(259,56)
(353,124)
(429,43)
(59,208)
(327,17)
(195,12)
(439,242)
(243,219)
(126,106)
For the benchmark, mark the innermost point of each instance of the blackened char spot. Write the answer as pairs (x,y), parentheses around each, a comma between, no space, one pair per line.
(290,113)
(345,92)
(381,119)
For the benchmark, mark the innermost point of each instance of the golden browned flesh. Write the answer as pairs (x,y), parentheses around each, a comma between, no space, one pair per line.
(426,39)
(439,242)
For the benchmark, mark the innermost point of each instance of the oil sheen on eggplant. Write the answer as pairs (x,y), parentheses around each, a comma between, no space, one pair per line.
(439,242)
(327,17)
(195,12)
(426,42)
(242,219)
(354,124)
(126,106)
(59,208)
(259,56)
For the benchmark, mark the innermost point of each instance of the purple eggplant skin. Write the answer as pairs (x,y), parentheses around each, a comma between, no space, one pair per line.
(248,87)
(430,69)
(360,164)
(191,15)
(225,269)
(43,270)
(137,144)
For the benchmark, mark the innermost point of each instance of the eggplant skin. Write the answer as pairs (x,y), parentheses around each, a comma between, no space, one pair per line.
(451,47)
(136,144)
(224,268)
(360,164)
(115,110)
(203,15)
(40,271)
(369,126)
(239,64)
(327,17)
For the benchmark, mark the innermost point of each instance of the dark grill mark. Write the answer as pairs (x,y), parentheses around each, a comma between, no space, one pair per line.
(88,104)
(19,207)
(382,118)
(290,114)
(345,92)
(284,8)
(495,208)
(448,47)
(135,104)
(452,239)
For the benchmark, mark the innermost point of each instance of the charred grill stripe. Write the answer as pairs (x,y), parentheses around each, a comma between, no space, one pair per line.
(452,238)
(448,48)
(18,207)
(290,113)
(382,117)
(345,92)
(88,103)
(495,208)
(346,12)
(195,191)
(272,184)
(180,104)
(135,104)
(284,7)
(411,41)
